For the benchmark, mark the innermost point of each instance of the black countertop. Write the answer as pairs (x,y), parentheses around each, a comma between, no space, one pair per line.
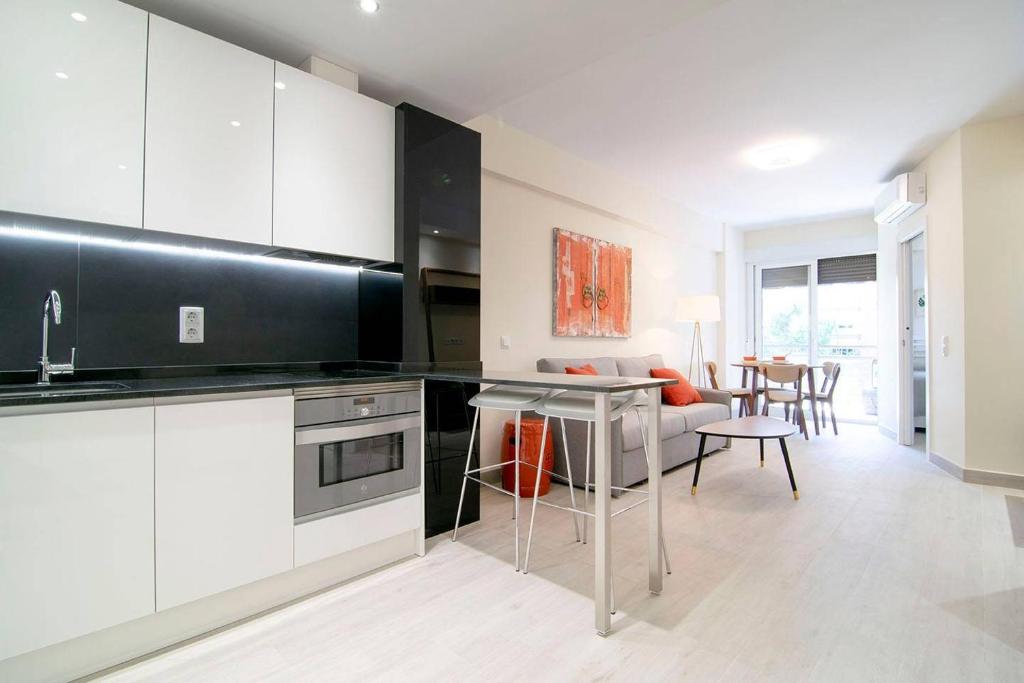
(161,384)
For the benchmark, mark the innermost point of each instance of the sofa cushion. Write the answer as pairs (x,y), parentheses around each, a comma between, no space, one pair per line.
(672,424)
(680,394)
(604,365)
(639,366)
(698,414)
(587,369)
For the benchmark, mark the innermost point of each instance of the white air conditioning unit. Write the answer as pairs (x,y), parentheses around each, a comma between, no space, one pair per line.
(900,198)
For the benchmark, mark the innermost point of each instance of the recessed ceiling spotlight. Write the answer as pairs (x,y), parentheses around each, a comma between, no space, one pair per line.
(78,16)
(369,6)
(61,75)
(122,167)
(236,124)
(437,232)
(279,85)
(782,154)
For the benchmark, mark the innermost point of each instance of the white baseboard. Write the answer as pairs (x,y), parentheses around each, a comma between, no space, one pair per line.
(885,431)
(96,652)
(984,477)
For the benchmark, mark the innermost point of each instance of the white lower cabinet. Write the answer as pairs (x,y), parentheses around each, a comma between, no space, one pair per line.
(76,523)
(224,511)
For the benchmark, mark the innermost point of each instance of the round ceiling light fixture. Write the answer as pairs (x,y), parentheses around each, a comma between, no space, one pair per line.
(782,154)
(79,17)
(369,6)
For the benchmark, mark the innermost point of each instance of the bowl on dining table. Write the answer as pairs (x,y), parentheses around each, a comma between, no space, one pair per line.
(749,359)
(779,359)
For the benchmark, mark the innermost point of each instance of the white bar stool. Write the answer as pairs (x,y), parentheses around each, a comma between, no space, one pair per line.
(575,405)
(508,398)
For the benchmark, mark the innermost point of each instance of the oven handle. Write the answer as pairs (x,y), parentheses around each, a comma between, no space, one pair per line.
(319,435)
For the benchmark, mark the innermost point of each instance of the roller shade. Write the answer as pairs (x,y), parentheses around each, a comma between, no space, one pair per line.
(791,276)
(847,269)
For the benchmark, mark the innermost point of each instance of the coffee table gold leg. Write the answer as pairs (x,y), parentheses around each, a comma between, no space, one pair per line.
(696,469)
(789,469)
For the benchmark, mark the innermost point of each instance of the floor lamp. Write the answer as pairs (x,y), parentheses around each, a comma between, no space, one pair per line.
(698,309)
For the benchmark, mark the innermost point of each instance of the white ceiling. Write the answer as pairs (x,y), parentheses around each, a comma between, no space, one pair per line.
(672,92)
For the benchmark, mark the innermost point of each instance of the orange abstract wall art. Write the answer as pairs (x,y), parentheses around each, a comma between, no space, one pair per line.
(592,287)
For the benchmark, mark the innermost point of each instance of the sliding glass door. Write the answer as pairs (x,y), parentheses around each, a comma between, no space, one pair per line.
(847,296)
(823,310)
(786,313)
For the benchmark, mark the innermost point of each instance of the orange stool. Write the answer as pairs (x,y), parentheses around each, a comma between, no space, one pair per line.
(532,429)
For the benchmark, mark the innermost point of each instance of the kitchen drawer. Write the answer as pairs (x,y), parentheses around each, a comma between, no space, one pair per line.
(329,536)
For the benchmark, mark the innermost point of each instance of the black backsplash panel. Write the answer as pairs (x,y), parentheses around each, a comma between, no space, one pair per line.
(130,284)
(29,268)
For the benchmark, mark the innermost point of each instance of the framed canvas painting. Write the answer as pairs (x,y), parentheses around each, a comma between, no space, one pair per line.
(592,295)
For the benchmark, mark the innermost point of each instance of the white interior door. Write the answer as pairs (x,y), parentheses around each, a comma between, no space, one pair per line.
(912,397)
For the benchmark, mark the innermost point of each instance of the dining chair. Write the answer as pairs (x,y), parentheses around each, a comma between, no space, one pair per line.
(827,391)
(742,393)
(789,398)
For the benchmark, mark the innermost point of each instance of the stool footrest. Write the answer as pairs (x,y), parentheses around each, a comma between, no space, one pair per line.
(490,485)
(490,467)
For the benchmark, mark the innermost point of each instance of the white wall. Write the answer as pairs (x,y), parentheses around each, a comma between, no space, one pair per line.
(530,187)
(732,274)
(815,239)
(993,206)
(943,218)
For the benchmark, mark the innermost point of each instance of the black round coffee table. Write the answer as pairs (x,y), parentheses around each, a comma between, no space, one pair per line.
(758,427)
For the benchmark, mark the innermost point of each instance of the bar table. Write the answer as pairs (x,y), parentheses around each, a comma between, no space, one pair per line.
(602,387)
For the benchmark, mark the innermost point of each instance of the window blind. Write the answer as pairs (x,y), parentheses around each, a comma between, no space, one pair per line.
(860,268)
(791,276)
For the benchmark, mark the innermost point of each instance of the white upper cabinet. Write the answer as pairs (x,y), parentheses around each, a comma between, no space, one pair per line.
(209,136)
(76,523)
(224,492)
(334,168)
(72,113)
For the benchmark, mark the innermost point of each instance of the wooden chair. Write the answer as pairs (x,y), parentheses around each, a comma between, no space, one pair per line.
(742,393)
(790,398)
(828,388)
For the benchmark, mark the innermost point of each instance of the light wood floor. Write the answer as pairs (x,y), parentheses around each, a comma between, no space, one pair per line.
(886,569)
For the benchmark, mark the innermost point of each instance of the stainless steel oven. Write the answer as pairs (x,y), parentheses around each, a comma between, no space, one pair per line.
(354,444)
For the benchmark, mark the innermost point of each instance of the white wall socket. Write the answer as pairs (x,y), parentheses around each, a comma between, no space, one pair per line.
(190,324)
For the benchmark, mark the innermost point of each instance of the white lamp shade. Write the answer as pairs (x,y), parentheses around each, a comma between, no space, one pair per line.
(702,308)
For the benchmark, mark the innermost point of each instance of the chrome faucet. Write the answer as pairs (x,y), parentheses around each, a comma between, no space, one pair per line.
(46,368)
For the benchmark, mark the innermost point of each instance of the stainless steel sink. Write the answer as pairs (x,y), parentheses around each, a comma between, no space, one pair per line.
(57,390)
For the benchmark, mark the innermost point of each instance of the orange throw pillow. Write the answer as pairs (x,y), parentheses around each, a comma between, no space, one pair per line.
(587,369)
(682,394)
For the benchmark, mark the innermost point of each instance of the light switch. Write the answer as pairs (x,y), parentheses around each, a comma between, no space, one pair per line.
(506,342)
(945,346)
(190,324)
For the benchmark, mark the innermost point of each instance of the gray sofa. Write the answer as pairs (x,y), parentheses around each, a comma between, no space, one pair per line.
(678,440)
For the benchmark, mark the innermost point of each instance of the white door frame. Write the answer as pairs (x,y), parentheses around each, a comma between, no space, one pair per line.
(905,375)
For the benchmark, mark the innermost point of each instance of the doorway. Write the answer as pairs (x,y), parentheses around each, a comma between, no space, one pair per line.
(824,310)
(913,298)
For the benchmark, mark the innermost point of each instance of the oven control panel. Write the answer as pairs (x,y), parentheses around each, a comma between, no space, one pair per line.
(344,408)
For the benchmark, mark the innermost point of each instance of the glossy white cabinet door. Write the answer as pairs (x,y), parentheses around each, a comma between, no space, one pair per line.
(209,136)
(224,513)
(334,168)
(76,524)
(72,112)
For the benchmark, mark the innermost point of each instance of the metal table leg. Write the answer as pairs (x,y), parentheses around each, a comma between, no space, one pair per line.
(654,545)
(602,512)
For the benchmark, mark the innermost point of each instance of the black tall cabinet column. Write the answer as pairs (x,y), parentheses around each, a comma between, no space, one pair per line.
(437,234)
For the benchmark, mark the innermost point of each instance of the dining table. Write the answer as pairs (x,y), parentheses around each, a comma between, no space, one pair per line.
(752,366)
(601,388)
